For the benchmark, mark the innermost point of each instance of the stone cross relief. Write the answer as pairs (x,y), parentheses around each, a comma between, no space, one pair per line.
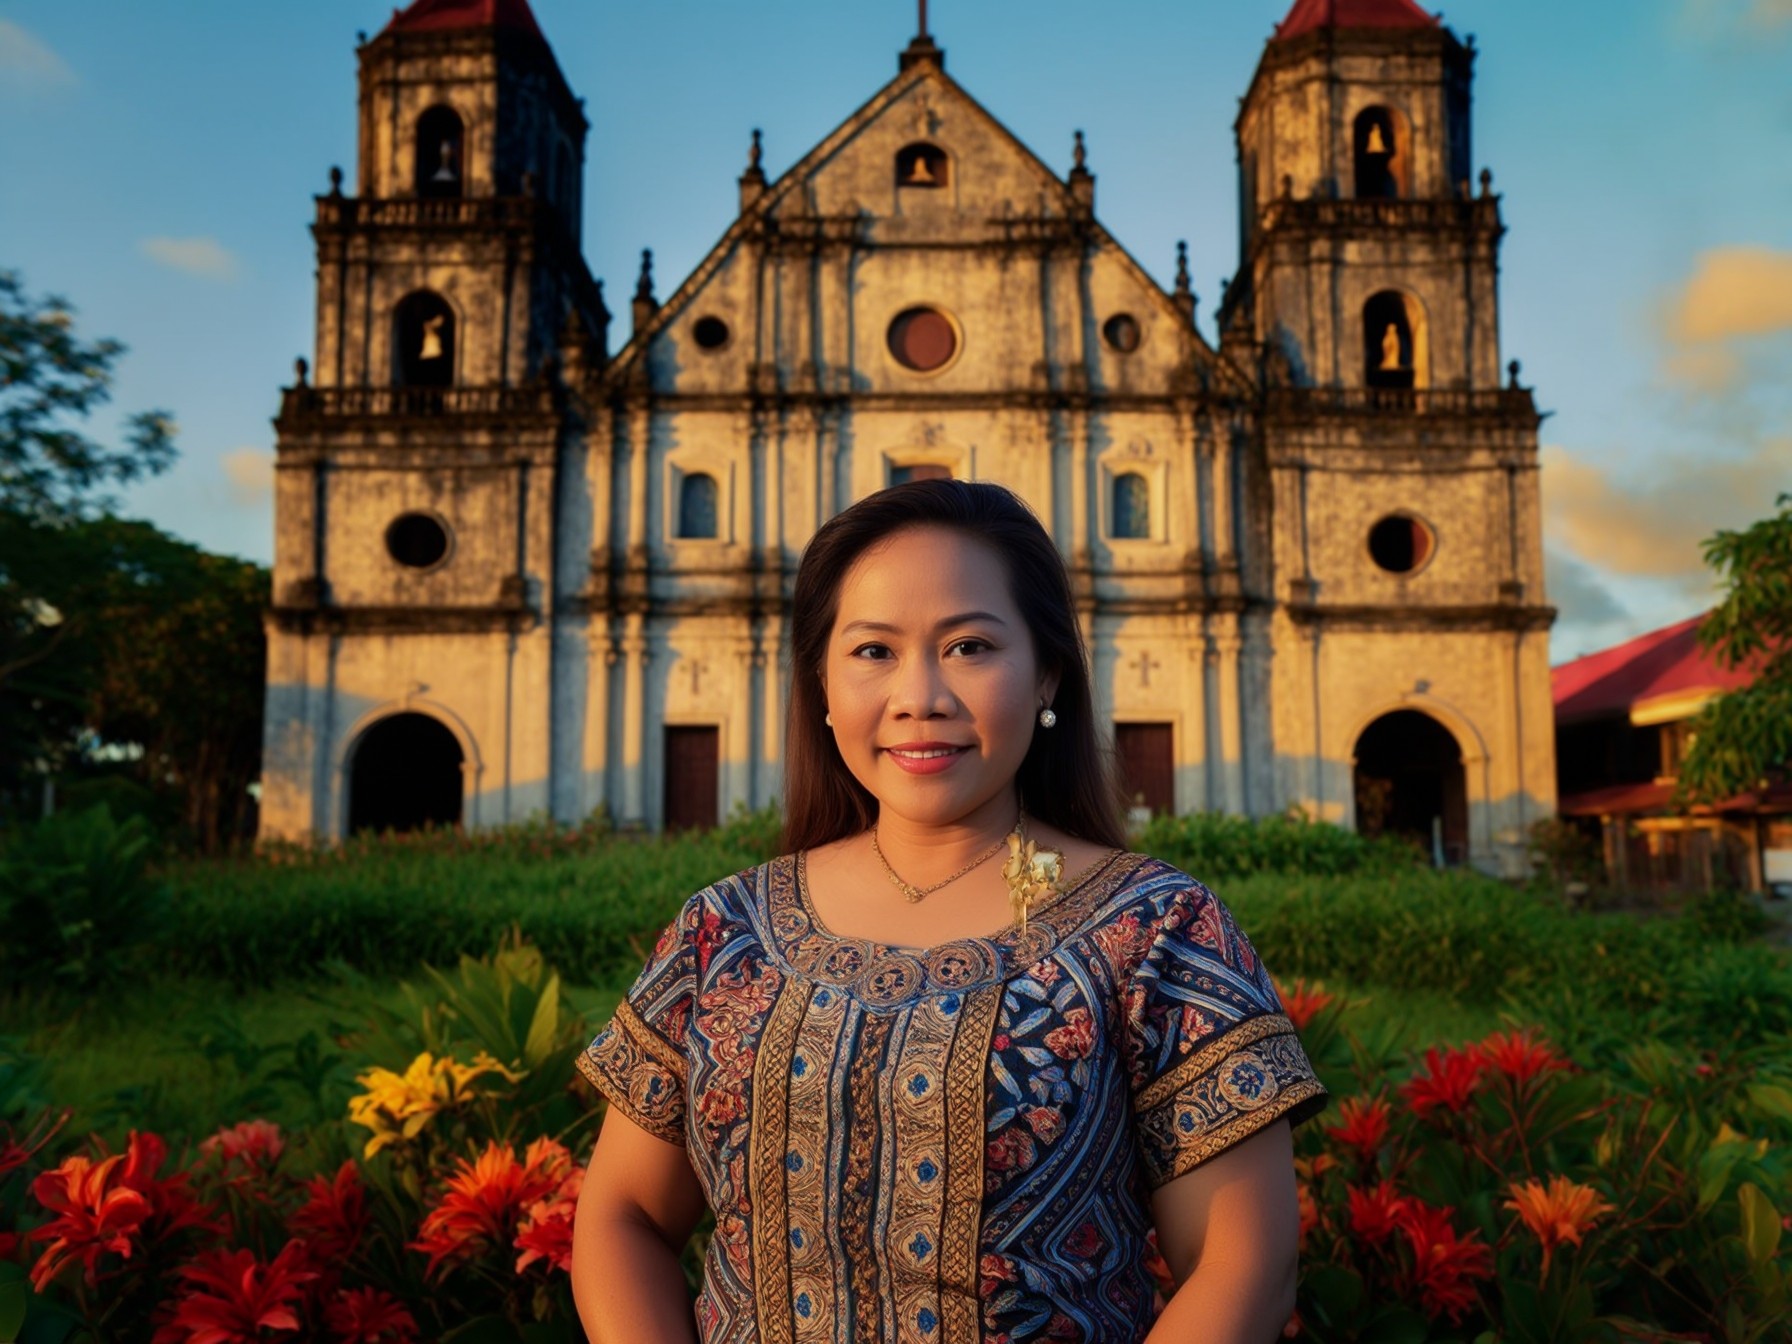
(1146,665)
(698,668)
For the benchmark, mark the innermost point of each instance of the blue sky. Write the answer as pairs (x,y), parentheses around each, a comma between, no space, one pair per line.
(159,160)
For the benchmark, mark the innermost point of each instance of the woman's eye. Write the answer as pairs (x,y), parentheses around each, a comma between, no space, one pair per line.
(873,652)
(965,647)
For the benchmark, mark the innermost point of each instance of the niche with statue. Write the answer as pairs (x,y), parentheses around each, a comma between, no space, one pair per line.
(440,158)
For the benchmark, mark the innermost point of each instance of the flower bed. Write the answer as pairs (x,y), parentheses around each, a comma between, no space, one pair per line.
(1497,1189)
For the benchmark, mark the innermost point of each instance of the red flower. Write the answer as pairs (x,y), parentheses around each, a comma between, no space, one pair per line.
(369,1316)
(16,1152)
(1449,1081)
(334,1214)
(1084,1240)
(487,1198)
(994,1271)
(1302,1003)
(231,1298)
(1045,1121)
(1309,1211)
(546,1229)
(720,1107)
(1444,1265)
(106,1206)
(1375,1214)
(1520,1056)
(1011,1150)
(254,1143)
(1076,1038)
(1364,1126)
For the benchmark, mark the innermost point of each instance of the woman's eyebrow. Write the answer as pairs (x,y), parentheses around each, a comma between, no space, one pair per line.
(963,618)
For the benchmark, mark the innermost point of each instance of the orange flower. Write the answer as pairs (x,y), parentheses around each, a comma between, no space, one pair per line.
(110,1206)
(546,1230)
(1303,1002)
(1565,1211)
(1364,1126)
(1309,1211)
(1520,1055)
(487,1198)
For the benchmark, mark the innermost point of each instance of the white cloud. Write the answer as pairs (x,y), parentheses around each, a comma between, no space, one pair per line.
(205,257)
(28,64)
(1649,519)
(249,472)
(1734,291)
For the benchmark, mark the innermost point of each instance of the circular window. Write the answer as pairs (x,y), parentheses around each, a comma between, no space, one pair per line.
(1121,332)
(710,333)
(417,540)
(923,339)
(1400,543)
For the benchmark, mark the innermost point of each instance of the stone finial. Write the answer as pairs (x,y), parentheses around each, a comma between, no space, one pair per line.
(301,370)
(1486,182)
(1184,296)
(644,305)
(335,180)
(1082,181)
(360,37)
(752,182)
(1287,186)
(1512,374)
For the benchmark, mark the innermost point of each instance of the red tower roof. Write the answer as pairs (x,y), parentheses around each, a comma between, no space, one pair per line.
(1308,15)
(425,16)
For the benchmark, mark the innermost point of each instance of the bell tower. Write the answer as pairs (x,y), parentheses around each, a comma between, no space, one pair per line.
(1405,549)
(422,450)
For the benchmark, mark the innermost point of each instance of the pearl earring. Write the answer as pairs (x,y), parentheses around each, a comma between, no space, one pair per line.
(828,719)
(1047,717)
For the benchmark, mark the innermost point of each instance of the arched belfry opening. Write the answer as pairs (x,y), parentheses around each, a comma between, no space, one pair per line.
(922,165)
(424,332)
(405,773)
(1410,783)
(1394,353)
(1381,150)
(441,153)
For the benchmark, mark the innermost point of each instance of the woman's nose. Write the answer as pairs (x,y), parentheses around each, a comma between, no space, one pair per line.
(921,691)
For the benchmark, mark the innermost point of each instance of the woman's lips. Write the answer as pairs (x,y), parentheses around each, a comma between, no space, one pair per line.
(925,758)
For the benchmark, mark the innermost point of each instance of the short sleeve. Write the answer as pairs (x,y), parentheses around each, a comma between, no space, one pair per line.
(1212,1056)
(638,1061)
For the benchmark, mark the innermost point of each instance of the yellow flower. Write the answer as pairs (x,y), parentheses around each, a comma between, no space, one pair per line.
(1564,1212)
(398,1107)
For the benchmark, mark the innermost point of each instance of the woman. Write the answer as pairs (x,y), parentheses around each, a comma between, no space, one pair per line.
(935,1085)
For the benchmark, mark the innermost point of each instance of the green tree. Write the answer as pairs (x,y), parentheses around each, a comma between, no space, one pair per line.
(1744,737)
(122,649)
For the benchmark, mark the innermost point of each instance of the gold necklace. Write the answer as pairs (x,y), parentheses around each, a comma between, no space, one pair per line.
(915,893)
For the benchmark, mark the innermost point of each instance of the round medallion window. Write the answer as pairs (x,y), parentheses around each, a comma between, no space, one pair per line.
(1400,543)
(417,540)
(710,333)
(923,339)
(1121,332)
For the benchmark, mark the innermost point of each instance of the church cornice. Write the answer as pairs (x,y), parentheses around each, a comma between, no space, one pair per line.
(1398,409)
(1389,619)
(307,619)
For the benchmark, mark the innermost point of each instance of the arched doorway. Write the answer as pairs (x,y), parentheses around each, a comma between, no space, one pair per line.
(1410,783)
(405,774)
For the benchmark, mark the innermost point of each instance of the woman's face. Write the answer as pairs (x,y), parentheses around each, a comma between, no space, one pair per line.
(931,677)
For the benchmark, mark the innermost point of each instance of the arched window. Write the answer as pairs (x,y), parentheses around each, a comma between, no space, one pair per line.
(1394,354)
(1131,507)
(698,512)
(425,335)
(922,165)
(1381,149)
(440,158)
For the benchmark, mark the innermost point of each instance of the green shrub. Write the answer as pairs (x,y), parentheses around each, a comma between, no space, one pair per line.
(77,900)
(1216,846)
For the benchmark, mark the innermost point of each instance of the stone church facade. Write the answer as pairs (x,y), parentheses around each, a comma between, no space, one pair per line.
(518,573)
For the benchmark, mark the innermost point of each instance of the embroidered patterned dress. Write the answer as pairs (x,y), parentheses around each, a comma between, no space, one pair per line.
(952,1145)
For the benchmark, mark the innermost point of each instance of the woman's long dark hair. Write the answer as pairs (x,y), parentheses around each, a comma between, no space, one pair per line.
(1065,779)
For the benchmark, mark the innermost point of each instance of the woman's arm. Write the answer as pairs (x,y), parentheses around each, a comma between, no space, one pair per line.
(638,1204)
(1230,1232)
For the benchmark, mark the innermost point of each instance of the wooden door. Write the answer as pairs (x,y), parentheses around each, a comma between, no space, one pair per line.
(691,778)
(1147,762)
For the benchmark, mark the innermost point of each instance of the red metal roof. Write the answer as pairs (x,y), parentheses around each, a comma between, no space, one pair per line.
(435,15)
(1308,15)
(1656,798)
(1659,663)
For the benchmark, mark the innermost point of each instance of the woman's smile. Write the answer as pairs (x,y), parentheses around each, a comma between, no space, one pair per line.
(926,758)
